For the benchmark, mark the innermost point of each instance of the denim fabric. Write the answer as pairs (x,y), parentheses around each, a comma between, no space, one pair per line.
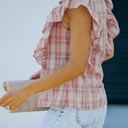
(67,117)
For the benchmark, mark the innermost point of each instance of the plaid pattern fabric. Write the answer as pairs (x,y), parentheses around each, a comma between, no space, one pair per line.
(87,90)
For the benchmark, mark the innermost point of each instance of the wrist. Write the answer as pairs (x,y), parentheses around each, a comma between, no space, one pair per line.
(28,90)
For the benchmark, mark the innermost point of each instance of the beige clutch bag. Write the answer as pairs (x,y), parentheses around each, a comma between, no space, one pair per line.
(31,103)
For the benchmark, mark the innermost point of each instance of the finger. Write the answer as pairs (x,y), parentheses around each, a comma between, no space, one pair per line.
(37,74)
(33,76)
(17,104)
(4,98)
(6,107)
(11,104)
(6,102)
(30,78)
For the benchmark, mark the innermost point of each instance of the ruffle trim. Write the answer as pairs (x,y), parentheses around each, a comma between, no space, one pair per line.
(56,15)
(112,27)
(41,51)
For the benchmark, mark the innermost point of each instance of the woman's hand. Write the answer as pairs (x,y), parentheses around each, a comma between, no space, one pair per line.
(36,75)
(14,99)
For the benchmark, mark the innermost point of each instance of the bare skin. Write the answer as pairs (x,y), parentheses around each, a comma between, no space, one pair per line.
(35,75)
(66,24)
(78,20)
(111,54)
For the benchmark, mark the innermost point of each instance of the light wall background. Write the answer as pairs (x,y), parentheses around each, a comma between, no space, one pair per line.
(21,23)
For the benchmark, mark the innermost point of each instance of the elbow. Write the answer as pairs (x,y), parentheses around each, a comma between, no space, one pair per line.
(111,55)
(83,67)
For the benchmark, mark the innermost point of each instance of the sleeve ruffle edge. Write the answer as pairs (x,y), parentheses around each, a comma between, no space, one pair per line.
(56,15)
(112,27)
(89,4)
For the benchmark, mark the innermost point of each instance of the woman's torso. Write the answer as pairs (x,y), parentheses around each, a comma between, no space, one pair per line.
(87,90)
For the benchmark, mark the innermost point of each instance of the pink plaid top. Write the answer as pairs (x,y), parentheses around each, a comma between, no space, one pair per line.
(87,90)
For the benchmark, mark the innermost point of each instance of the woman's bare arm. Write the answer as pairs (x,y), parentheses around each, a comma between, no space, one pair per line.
(80,30)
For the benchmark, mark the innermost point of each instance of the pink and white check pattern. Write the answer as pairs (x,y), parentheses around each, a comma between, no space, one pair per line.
(53,50)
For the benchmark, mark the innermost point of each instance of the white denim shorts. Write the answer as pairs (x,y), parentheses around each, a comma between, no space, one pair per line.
(67,117)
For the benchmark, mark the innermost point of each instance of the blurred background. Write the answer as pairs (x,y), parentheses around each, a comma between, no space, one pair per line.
(21,23)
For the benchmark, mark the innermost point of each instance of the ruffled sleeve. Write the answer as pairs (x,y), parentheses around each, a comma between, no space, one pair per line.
(112,27)
(57,14)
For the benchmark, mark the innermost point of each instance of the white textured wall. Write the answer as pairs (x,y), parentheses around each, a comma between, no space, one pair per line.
(21,23)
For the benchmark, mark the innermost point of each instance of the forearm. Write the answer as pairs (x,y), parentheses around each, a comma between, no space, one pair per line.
(67,72)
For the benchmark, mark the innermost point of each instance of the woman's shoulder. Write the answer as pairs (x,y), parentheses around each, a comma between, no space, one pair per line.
(65,20)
